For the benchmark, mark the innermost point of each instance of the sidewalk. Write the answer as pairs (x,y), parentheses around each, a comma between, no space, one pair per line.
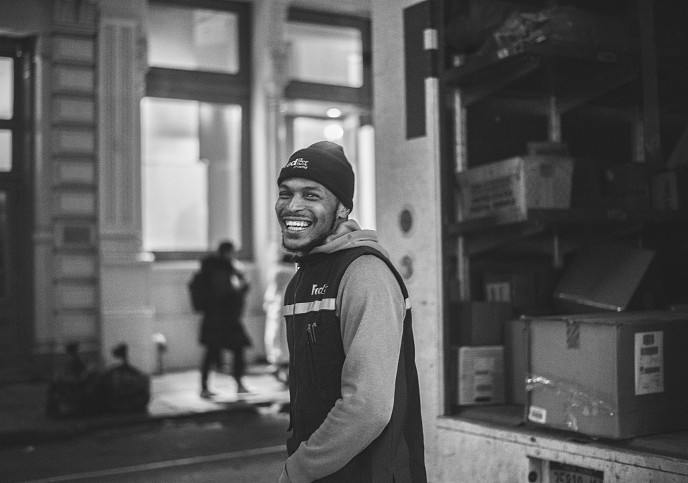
(173,395)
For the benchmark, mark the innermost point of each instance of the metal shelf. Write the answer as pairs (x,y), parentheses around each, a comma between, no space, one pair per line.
(570,72)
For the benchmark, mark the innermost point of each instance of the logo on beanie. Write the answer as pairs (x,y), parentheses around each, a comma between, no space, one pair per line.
(299,163)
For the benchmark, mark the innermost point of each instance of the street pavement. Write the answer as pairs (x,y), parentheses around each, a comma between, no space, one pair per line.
(241,445)
(23,418)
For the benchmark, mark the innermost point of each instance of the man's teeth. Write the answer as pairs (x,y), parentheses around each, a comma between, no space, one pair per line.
(297,225)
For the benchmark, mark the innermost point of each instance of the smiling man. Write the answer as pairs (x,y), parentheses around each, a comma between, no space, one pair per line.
(355,404)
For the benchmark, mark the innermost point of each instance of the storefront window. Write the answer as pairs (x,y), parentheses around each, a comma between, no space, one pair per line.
(6,111)
(6,87)
(5,150)
(328,94)
(195,127)
(191,174)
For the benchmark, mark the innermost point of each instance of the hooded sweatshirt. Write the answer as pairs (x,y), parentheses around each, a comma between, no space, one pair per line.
(371,309)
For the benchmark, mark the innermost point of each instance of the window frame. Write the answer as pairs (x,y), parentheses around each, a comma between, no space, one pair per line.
(218,88)
(315,91)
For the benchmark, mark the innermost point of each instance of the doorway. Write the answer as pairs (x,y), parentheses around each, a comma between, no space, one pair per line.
(16,264)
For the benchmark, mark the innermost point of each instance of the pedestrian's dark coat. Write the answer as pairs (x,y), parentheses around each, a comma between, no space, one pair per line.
(227,289)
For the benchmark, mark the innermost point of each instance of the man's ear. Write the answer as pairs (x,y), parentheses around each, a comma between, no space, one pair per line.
(342,211)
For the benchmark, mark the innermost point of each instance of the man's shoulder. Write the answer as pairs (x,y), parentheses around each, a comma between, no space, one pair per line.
(369,266)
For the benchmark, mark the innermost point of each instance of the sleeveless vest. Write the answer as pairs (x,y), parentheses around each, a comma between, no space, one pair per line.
(316,362)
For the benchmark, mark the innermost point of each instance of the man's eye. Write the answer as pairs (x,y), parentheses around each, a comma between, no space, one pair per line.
(311,196)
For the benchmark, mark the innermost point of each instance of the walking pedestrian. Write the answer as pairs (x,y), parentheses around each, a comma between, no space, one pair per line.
(222,328)
(355,403)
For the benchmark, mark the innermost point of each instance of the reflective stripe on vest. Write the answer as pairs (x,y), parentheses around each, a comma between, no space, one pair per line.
(317,306)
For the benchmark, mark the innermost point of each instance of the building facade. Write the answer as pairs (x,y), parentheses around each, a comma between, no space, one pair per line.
(81,260)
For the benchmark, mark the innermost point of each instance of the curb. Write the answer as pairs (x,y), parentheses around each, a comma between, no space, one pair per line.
(70,428)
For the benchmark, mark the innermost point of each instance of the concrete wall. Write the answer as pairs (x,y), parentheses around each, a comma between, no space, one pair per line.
(407,179)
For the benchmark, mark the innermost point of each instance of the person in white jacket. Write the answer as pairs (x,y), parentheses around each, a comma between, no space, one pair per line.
(355,404)
(275,338)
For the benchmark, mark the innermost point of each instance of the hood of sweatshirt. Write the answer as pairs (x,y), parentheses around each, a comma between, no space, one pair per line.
(349,235)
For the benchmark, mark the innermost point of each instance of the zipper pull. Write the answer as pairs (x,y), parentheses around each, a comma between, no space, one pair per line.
(310,332)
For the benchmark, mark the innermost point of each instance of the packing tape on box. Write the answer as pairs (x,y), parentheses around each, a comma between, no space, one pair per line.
(577,401)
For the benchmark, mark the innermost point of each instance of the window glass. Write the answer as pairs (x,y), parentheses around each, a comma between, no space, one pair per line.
(325,54)
(191,174)
(192,39)
(5,150)
(6,87)
(309,130)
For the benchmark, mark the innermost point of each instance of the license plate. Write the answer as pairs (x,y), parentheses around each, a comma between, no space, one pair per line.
(563,473)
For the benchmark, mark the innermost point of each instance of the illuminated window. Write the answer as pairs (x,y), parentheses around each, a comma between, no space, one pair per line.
(194,130)
(328,96)
(6,111)
(5,150)
(191,174)
(6,87)
(325,54)
(193,39)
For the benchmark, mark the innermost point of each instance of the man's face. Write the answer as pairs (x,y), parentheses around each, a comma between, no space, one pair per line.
(307,213)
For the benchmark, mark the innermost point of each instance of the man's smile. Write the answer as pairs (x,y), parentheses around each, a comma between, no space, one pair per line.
(296,226)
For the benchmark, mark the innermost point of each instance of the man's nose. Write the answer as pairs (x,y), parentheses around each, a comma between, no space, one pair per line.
(295,203)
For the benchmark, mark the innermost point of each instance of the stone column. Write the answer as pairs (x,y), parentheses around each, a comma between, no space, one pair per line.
(125,270)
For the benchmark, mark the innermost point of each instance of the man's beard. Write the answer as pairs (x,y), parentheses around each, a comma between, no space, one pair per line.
(316,242)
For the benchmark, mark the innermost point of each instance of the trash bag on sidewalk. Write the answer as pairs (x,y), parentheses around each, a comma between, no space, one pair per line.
(79,391)
(123,388)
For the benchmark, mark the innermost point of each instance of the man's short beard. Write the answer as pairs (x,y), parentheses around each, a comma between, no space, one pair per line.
(314,243)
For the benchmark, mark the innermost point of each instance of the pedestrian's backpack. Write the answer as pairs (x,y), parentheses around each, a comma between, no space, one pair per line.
(199,290)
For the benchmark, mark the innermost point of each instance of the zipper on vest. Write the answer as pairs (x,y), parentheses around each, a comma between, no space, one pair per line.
(312,339)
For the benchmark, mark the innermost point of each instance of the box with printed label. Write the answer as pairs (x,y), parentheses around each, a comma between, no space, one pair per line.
(608,375)
(481,375)
(505,190)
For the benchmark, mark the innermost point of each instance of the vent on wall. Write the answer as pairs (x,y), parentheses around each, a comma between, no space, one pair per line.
(76,235)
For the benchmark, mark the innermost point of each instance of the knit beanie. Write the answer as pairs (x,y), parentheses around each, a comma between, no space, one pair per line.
(325,163)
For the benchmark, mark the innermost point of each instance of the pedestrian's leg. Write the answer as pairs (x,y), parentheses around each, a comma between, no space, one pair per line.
(239,369)
(211,357)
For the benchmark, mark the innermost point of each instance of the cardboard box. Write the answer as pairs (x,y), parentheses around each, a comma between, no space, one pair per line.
(478,323)
(669,192)
(480,375)
(505,190)
(601,277)
(515,360)
(616,375)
